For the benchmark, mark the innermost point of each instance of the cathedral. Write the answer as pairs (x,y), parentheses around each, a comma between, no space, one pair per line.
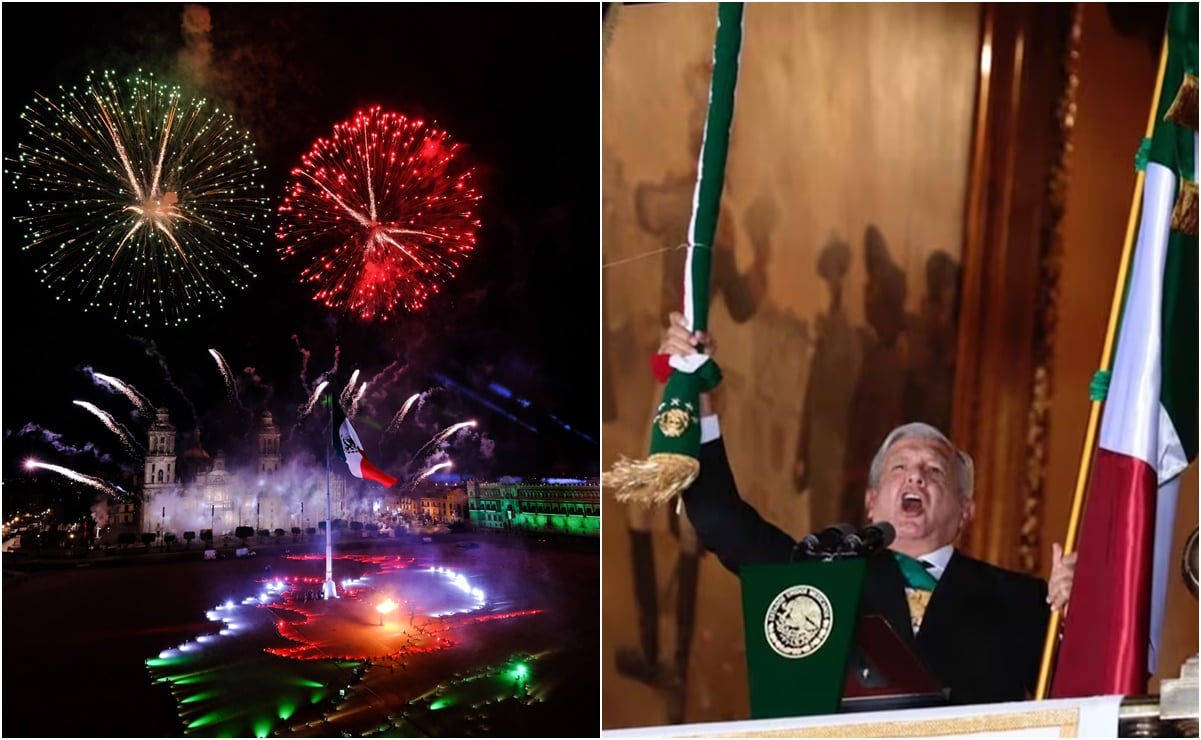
(191,491)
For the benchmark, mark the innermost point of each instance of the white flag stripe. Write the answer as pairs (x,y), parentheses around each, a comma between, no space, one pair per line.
(354,458)
(1172,460)
(1163,563)
(687,363)
(689,288)
(1135,380)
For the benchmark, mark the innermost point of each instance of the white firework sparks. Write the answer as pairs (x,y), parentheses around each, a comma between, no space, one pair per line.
(452,429)
(308,407)
(433,469)
(141,402)
(112,424)
(400,415)
(354,402)
(346,397)
(226,374)
(75,476)
(443,435)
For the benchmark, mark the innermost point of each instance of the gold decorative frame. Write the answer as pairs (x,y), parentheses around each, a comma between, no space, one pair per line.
(1020,160)
(1051,245)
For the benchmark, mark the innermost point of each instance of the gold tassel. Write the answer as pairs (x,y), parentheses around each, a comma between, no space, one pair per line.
(1184,108)
(1184,215)
(652,481)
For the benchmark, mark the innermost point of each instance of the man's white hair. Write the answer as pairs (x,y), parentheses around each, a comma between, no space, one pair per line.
(964,467)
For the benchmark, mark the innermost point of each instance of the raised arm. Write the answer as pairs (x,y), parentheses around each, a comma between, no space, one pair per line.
(724,522)
(727,524)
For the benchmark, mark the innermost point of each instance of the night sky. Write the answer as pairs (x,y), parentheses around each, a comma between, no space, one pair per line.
(516,85)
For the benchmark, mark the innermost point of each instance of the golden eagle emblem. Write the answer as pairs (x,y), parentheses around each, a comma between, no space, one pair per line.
(673,422)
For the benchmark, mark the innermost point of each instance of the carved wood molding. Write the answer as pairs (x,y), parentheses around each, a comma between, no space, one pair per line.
(1010,276)
(1051,246)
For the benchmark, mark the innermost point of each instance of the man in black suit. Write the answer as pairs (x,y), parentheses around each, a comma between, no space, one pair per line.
(978,628)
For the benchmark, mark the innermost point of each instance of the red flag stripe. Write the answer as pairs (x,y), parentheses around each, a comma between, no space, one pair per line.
(1104,650)
(370,472)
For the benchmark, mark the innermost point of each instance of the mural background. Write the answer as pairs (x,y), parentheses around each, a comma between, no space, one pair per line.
(834,288)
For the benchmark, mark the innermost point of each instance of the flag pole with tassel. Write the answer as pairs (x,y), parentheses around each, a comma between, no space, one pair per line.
(1097,394)
(673,463)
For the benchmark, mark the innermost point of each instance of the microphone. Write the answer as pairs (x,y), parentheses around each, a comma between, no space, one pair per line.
(825,542)
(870,539)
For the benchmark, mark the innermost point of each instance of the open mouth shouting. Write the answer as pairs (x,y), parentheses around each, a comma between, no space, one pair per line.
(912,503)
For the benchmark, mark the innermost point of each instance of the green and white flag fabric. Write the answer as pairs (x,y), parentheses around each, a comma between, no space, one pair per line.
(675,429)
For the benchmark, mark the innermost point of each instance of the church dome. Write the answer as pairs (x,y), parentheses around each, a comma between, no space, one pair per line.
(195,453)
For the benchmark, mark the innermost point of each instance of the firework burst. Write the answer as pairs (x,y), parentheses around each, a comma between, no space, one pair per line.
(379,215)
(140,200)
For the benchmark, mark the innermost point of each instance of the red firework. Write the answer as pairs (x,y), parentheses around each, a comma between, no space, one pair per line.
(379,215)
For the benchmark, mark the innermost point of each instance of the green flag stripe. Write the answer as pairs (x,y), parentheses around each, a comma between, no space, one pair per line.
(1178,392)
(1171,144)
(712,167)
(1174,146)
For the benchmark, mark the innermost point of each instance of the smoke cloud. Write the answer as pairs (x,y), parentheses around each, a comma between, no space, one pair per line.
(54,440)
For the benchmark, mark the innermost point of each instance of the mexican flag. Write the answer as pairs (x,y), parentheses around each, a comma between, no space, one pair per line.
(673,462)
(350,449)
(1148,430)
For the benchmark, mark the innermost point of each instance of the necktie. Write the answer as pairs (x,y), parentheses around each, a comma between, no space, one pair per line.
(919,585)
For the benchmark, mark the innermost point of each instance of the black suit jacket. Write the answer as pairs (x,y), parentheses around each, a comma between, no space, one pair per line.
(983,631)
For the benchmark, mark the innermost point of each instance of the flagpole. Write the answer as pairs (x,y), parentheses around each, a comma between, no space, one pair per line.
(331,591)
(1051,643)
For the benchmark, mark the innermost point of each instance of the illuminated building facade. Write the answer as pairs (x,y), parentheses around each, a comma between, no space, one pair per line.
(445,507)
(438,505)
(191,491)
(455,506)
(409,506)
(552,506)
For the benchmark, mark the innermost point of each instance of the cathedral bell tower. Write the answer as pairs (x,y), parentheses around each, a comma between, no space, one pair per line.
(160,454)
(160,473)
(268,444)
